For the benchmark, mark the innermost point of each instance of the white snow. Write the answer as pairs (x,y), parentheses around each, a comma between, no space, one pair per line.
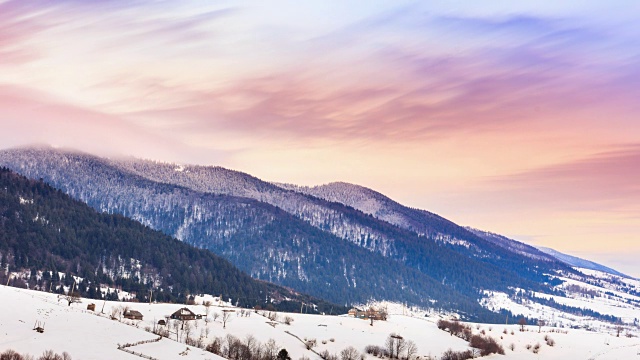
(90,335)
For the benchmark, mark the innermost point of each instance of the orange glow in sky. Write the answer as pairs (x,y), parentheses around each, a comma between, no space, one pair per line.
(519,118)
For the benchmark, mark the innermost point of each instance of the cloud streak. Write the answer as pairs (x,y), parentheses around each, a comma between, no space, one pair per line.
(498,106)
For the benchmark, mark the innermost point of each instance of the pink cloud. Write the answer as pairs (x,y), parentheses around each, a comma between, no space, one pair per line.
(30,116)
(606,181)
(427,97)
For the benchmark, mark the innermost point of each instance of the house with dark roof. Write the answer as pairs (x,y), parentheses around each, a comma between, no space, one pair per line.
(183,314)
(133,315)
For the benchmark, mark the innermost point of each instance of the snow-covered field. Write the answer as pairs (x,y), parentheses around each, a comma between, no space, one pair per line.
(89,335)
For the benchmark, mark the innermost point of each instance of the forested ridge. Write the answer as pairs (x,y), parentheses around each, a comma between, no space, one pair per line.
(327,249)
(43,232)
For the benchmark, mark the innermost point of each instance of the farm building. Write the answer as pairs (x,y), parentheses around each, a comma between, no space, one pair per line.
(133,315)
(183,314)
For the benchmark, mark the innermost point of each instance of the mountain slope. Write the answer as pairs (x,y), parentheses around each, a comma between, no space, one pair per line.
(579,262)
(513,245)
(43,230)
(313,245)
(379,206)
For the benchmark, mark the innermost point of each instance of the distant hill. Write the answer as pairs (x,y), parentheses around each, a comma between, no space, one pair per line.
(44,232)
(581,263)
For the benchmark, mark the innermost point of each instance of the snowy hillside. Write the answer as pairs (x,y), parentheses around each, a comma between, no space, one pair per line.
(86,334)
(588,302)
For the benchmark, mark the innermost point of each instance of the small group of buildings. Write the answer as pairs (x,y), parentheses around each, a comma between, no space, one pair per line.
(371,314)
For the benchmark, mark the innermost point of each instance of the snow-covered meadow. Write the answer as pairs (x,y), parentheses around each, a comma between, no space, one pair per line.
(91,335)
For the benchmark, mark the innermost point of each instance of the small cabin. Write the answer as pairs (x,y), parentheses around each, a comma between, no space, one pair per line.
(162,322)
(353,312)
(183,315)
(91,307)
(133,315)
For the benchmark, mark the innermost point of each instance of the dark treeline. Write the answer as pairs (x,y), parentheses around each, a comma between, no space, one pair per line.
(42,229)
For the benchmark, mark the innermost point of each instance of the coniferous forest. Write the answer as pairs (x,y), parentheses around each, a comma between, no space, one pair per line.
(52,238)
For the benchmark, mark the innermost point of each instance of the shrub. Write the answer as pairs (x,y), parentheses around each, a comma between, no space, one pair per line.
(288,320)
(377,351)
(311,343)
(457,355)
(536,348)
(549,341)
(512,347)
(486,344)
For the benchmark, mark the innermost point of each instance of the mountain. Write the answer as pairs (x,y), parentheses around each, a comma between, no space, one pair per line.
(45,233)
(581,263)
(284,235)
(381,207)
(514,245)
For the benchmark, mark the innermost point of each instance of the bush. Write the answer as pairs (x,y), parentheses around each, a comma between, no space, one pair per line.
(549,340)
(512,347)
(455,328)
(288,320)
(486,344)
(457,355)
(311,343)
(377,351)
(536,348)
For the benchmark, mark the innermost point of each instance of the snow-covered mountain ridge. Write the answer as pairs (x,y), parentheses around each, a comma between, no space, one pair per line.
(339,241)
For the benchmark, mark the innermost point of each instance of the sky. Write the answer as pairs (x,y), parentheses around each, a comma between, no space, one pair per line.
(517,117)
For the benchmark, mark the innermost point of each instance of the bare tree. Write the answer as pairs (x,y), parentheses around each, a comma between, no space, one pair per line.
(187,328)
(400,345)
(216,315)
(522,322)
(116,312)
(541,323)
(72,297)
(288,320)
(390,344)
(619,329)
(123,310)
(207,310)
(176,327)
(349,353)
(270,350)
(412,350)
(252,346)
(226,316)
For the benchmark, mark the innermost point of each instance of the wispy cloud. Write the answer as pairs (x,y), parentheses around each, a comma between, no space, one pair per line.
(601,181)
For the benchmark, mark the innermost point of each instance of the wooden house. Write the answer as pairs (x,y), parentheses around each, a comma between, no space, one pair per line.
(133,315)
(91,307)
(183,314)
